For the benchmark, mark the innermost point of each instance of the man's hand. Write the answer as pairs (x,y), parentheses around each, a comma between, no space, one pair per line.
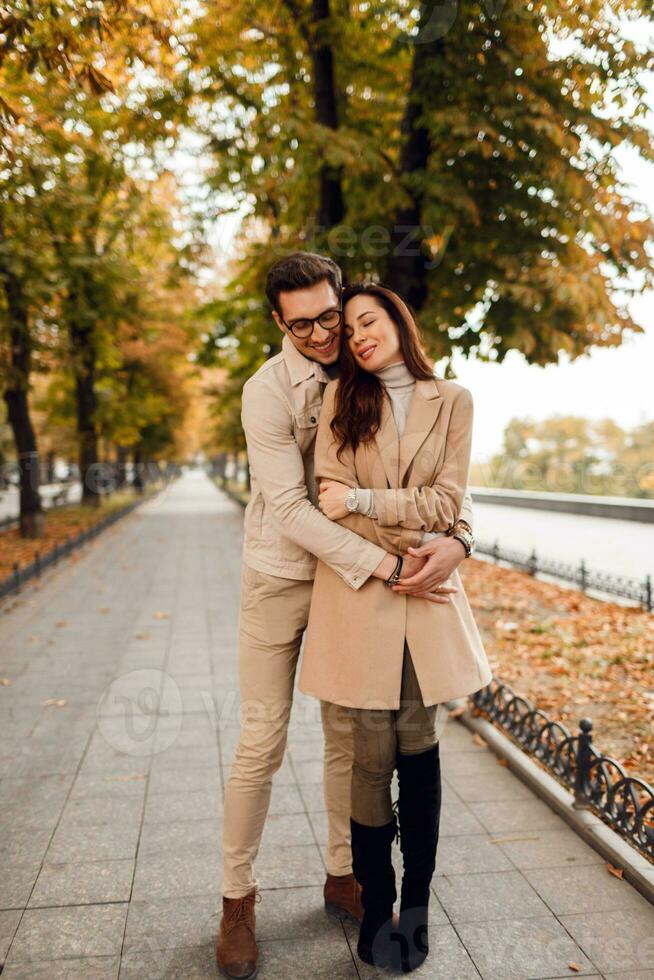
(440,557)
(332,499)
(412,568)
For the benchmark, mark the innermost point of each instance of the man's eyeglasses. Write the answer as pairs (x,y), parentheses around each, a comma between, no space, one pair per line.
(303,328)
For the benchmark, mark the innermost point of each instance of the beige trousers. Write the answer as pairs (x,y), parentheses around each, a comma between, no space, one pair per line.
(273,616)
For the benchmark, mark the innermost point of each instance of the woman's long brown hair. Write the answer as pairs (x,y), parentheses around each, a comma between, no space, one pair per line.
(360,394)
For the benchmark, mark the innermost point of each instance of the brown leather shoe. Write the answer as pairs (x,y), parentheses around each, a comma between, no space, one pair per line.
(343,897)
(236,949)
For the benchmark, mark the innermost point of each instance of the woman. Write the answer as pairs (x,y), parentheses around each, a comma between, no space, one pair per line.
(392,456)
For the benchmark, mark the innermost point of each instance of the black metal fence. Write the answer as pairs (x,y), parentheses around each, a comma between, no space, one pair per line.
(588,580)
(600,783)
(22,574)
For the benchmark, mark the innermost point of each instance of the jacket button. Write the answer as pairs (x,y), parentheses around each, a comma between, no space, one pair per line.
(313,418)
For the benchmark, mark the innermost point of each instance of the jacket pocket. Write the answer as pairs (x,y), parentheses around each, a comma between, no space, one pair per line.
(308,418)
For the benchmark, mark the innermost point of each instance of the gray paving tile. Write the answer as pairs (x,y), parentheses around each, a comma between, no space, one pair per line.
(172,922)
(457,738)
(287,830)
(619,940)
(523,949)
(309,772)
(74,931)
(164,875)
(470,854)
(8,924)
(307,750)
(93,842)
(88,968)
(631,975)
(458,819)
(22,846)
(286,867)
(107,762)
(512,816)
(196,804)
(110,784)
(287,799)
(321,958)
(487,896)
(454,764)
(178,836)
(83,883)
(123,810)
(294,913)
(33,802)
(192,778)
(587,888)
(189,963)
(16,883)
(177,756)
(547,849)
(487,787)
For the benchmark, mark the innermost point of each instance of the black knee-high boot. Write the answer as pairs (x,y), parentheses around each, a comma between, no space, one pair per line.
(373,869)
(419,809)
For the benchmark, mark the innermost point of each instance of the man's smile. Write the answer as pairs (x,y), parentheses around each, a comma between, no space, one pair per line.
(326,347)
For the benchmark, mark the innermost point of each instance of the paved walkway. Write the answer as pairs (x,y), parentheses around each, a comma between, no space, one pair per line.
(111,815)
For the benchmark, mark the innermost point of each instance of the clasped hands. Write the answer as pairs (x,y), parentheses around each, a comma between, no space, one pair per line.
(426,569)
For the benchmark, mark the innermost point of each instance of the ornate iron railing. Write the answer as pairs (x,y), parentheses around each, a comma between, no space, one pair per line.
(624,802)
(588,580)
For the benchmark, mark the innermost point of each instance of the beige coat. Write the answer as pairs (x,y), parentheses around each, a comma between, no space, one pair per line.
(355,640)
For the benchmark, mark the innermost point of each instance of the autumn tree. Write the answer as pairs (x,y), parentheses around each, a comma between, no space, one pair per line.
(471,145)
(573,454)
(86,103)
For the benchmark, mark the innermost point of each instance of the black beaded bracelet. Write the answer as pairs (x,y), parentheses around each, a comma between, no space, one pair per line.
(397,571)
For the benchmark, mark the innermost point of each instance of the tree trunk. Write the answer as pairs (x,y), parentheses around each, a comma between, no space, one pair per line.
(16,398)
(407,267)
(121,466)
(83,348)
(137,476)
(331,208)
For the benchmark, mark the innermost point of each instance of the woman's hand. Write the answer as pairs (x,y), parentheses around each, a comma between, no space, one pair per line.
(332,499)
(443,555)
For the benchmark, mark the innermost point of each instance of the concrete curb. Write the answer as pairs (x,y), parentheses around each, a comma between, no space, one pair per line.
(638,871)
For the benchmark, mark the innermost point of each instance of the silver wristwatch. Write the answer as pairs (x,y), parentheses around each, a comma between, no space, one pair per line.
(352,500)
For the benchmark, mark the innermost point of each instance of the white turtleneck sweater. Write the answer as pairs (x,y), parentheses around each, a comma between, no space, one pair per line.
(400,386)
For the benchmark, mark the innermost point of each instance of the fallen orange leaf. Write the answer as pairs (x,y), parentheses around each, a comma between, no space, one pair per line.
(616,872)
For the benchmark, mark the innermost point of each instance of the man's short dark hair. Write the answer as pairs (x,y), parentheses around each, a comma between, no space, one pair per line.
(299,271)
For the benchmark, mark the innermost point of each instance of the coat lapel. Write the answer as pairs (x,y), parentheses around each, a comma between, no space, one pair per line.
(423,412)
(388,444)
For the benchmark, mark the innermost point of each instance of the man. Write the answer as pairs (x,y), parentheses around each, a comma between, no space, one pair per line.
(284,534)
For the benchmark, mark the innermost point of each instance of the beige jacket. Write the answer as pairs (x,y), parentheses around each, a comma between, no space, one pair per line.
(281,409)
(354,642)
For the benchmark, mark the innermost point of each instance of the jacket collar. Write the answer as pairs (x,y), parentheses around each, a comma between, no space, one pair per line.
(398,453)
(300,368)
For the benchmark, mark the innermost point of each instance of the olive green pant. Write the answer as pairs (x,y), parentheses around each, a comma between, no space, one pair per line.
(378,737)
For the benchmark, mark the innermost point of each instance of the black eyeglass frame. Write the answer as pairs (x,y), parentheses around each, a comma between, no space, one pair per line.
(313,320)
